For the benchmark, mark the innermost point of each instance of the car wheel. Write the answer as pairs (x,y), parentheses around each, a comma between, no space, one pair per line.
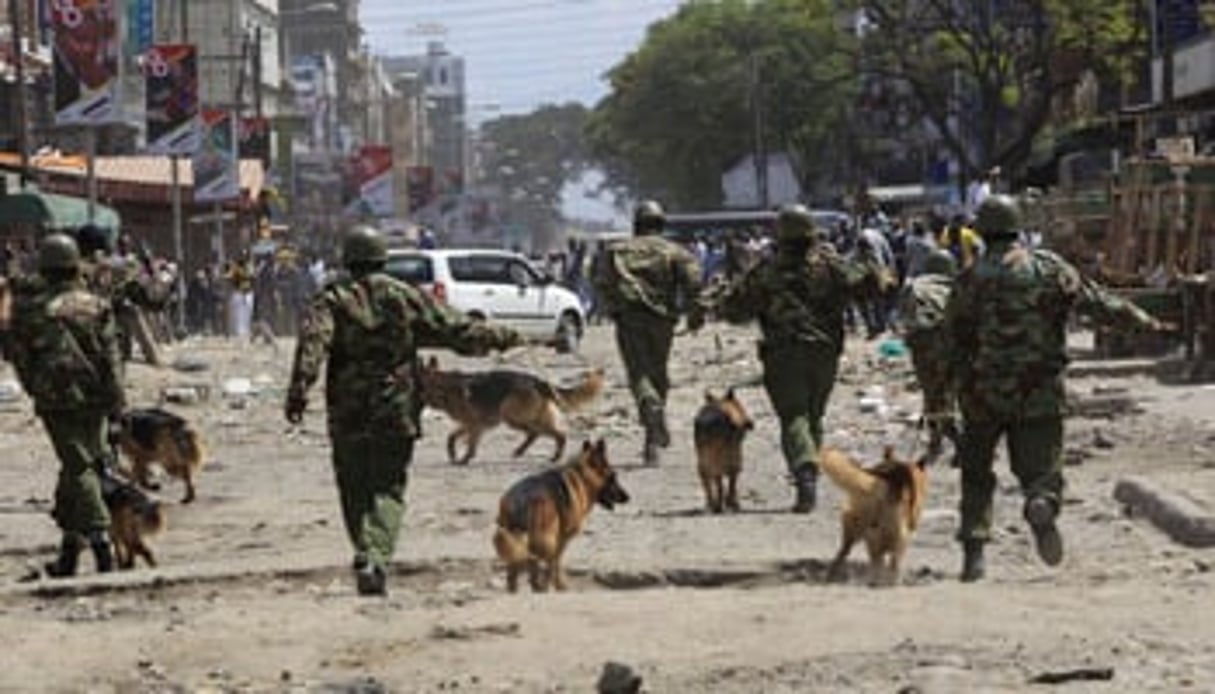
(569,329)
(476,316)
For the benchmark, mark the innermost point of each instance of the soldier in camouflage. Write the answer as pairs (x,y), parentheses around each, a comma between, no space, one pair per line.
(799,298)
(370,326)
(922,310)
(63,347)
(121,278)
(645,283)
(1006,324)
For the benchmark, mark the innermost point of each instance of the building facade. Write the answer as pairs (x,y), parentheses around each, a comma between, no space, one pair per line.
(445,100)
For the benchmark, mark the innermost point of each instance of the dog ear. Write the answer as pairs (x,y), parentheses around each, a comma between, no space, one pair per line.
(586,446)
(730,394)
(601,448)
(888,454)
(709,399)
(433,364)
(922,463)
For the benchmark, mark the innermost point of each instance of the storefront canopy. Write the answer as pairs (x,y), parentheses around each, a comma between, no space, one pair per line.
(54,212)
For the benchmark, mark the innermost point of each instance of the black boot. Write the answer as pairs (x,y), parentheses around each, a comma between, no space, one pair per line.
(99,542)
(973,566)
(69,555)
(371,580)
(805,480)
(1041,512)
(654,419)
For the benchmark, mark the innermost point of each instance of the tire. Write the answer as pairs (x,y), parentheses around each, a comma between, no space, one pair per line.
(569,331)
(476,316)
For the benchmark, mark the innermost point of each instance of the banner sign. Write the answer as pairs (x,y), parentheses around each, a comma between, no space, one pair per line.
(172,99)
(369,183)
(255,139)
(216,168)
(87,49)
(141,26)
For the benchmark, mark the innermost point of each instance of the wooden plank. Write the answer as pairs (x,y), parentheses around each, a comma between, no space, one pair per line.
(1194,247)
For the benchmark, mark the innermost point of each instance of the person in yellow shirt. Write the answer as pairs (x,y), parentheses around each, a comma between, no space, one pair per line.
(961,241)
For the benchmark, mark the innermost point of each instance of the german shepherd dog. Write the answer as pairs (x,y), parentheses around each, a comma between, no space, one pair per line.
(479,402)
(153,435)
(718,431)
(541,513)
(134,517)
(882,508)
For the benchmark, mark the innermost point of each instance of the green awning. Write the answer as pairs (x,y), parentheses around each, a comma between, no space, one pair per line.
(53,212)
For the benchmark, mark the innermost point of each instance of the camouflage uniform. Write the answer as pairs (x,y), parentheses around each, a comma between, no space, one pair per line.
(922,308)
(370,328)
(645,283)
(64,349)
(799,298)
(1006,324)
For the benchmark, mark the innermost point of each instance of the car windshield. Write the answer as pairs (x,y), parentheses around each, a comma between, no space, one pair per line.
(414,269)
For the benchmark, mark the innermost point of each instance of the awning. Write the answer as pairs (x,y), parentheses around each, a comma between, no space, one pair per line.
(54,212)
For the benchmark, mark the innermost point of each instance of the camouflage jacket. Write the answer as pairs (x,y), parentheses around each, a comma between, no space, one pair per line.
(797,299)
(64,348)
(1006,325)
(370,329)
(648,273)
(123,281)
(923,301)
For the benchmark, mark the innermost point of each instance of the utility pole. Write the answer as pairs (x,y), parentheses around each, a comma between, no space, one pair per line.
(23,145)
(179,245)
(759,146)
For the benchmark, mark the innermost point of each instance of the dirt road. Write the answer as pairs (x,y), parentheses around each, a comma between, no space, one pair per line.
(254,592)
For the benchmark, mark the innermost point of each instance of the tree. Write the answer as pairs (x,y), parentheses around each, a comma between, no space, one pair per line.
(682,107)
(986,74)
(531,158)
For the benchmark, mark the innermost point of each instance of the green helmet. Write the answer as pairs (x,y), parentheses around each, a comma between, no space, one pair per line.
(794,223)
(58,252)
(940,263)
(649,216)
(364,245)
(999,215)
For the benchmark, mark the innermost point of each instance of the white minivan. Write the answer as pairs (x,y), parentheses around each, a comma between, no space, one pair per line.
(498,286)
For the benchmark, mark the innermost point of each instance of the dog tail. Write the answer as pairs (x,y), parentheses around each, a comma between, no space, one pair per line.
(900,483)
(511,545)
(849,476)
(189,446)
(581,394)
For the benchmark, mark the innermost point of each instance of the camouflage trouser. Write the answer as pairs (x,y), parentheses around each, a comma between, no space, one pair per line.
(799,379)
(79,439)
(1035,449)
(644,340)
(372,472)
(930,358)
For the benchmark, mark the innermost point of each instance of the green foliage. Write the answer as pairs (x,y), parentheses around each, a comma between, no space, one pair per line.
(988,81)
(680,111)
(531,157)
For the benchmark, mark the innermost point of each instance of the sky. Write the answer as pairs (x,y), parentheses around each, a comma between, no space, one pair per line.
(521,54)
(518,54)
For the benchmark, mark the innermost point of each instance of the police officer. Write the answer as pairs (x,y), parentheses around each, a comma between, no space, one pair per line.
(922,312)
(1006,321)
(645,283)
(64,348)
(799,298)
(369,327)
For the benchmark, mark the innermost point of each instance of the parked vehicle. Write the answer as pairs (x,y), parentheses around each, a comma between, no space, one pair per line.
(497,286)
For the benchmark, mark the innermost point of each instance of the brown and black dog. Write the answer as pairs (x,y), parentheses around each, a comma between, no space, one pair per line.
(541,513)
(718,431)
(153,435)
(479,402)
(134,517)
(882,508)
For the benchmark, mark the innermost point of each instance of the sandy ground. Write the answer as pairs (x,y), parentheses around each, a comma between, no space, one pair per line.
(254,592)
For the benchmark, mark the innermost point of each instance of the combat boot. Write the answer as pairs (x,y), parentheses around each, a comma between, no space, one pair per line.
(974,568)
(371,580)
(103,555)
(805,481)
(1040,512)
(654,419)
(65,564)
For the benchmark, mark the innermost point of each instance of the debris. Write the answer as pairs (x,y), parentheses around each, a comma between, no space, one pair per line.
(1103,407)
(1180,518)
(618,678)
(1101,441)
(237,388)
(467,633)
(893,348)
(10,391)
(181,395)
(1087,674)
(190,365)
